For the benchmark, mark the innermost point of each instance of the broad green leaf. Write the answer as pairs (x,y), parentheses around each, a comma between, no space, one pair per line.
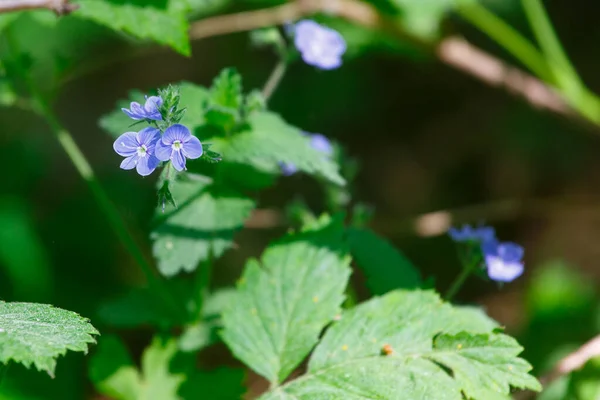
(286,299)
(114,374)
(202,226)
(39,333)
(410,342)
(220,384)
(385,267)
(169,29)
(268,141)
(193,98)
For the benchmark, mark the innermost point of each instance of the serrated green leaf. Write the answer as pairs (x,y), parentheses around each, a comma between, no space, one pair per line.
(192,97)
(385,267)
(39,333)
(170,29)
(113,373)
(226,90)
(268,141)
(285,299)
(395,345)
(203,225)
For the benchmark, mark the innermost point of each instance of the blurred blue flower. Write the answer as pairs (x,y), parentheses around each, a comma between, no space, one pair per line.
(503,260)
(138,150)
(148,111)
(319,46)
(177,144)
(317,142)
(466,233)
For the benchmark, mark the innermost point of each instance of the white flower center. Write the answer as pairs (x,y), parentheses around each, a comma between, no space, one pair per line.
(177,145)
(142,150)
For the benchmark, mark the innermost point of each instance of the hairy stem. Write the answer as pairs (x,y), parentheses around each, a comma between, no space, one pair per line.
(274,79)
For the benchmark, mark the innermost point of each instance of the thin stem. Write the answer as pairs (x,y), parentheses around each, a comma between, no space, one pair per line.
(202,285)
(274,79)
(507,37)
(546,36)
(468,266)
(85,171)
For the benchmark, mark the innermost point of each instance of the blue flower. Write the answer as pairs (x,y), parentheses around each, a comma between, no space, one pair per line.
(148,111)
(503,260)
(319,46)
(467,233)
(138,150)
(177,144)
(317,142)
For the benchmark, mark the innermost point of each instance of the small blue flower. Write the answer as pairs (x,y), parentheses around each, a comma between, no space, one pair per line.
(177,144)
(319,46)
(503,261)
(317,142)
(138,150)
(148,111)
(467,233)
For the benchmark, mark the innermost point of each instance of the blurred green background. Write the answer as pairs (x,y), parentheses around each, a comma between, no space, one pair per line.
(428,138)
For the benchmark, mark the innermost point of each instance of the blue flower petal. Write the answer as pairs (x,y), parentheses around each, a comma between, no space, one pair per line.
(131,115)
(319,46)
(148,136)
(501,271)
(510,252)
(146,165)
(321,143)
(178,160)
(288,169)
(192,148)
(129,162)
(176,132)
(126,144)
(163,151)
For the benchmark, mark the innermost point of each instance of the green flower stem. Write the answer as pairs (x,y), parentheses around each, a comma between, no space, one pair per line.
(507,37)
(202,286)
(274,79)
(84,169)
(457,284)
(542,28)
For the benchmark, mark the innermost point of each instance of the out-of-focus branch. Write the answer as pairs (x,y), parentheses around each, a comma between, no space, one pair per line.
(453,51)
(60,7)
(568,364)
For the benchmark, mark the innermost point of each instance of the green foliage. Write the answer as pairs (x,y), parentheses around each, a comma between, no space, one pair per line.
(268,141)
(142,22)
(385,267)
(115,375)
(39,333)
(202,226)
(406,342)
(220,384)
(286,299)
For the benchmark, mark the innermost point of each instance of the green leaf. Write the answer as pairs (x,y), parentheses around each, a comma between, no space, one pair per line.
(39,333)
(385,267)
(220,384)
(423,19)
(202,226)
(113,373)
(268,141)
(192,97)
(410,342)
(226,90)
(286,299)
(141,22)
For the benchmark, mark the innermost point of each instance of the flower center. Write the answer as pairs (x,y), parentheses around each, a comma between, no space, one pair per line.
(177,145)
(142,150)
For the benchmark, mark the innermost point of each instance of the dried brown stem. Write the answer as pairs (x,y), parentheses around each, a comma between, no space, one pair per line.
(60,7)
(453,51)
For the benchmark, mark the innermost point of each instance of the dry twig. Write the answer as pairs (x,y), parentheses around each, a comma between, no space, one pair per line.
(453,51)
(60,7)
